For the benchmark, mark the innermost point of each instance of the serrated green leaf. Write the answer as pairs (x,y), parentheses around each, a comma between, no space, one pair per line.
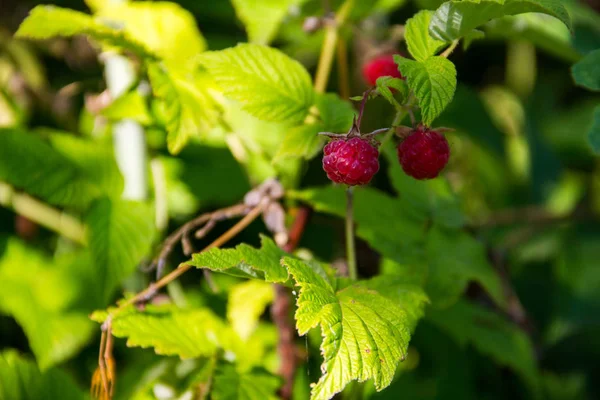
(190,109)
(20,379)
(433,82)
(120,235)
(491,335)
(28,163)
(244,260)
(365,334)
(594,134)
(420,44)
(470,37)
(455,259)
(301,141)
(266,82)
(262,19)
(384,83)
(36,290)
(45,22)
(247,302)
(336,113)
(230,384)
(187,333)
(454,19)
(130,105)
(586,72)
(165,28)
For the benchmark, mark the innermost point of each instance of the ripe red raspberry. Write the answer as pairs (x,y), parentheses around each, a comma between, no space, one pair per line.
(351,161)
(423,154)
(383,65)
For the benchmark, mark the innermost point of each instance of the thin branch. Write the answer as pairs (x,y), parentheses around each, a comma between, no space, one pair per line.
(446,53)
(350,245)
(363,102)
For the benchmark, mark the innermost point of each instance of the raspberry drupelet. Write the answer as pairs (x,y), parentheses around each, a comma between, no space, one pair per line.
(352,161)
(424,153)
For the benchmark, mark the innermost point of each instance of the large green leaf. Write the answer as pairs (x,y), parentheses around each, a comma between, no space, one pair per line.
(433,82)
(267,83)
(586,72)
(262,18)
(244,260)
(165,28)
(120,235)
(37,291)
(335,113)
(420,43)
(594,134)
(454,19)
(365,334)
(231,384)
(301,141)
(491,335)
(189,107)
(20,379)
(247,302)
(45,22)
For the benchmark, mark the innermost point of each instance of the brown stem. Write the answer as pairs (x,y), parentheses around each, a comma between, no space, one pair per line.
(363,102)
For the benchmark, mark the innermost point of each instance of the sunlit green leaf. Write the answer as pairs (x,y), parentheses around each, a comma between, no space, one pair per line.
(128,106)
(335,113)
(247,302)
(231,384)
(263,18)
(420,44)
(301,141)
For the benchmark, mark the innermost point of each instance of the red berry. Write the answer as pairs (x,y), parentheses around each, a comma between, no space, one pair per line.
(383,65)
(423,154)
(351,161)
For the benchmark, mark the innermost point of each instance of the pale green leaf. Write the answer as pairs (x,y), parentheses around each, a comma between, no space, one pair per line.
(387,86)
(166,29)
(262,19)
(301,141)
(420,44)
(365,334)
(245,260)
(586,72)
(58,177)
(130,105)
(36,291)
(454,19)
(20,379)
(594,133)
(490,334)
(247,302)
(336,113)
(189,107)
(266,82)
(455,259)
(45,22)
(120,235)
(433,82)
(231,384)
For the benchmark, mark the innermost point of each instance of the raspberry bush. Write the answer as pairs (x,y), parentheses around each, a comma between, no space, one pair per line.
(299,200)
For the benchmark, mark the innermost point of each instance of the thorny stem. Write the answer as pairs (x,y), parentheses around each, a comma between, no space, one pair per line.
(450,49)
(350,246)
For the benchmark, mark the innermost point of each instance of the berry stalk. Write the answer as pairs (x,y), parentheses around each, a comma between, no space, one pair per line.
(350,246)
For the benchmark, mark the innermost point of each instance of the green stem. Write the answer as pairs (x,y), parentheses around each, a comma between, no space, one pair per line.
(53,219)
(350,246)
(450,49)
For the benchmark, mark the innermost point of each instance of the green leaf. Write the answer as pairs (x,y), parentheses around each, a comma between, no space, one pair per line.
(491,335)
(586,72)
(187,333)
(247,302)
(336,113)
(455,19)
(20,379)
(189,107)
(35,291)
(263,18)
(301,141)
(165,28)
(244,260)
(365,334)
(433,82)
(267,83)
(120,235)
(594,134)
(470,37)
(455,259)
(231,384)
(30,164)
(384,83)
(45,22)
(130,105)
(420,44)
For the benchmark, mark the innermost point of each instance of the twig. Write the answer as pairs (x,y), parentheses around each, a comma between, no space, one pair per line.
(446,53)
(350,246)
(34,210)
(363,102)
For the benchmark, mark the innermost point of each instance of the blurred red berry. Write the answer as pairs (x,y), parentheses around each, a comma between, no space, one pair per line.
(383,65)
(423,154)
(351,161)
